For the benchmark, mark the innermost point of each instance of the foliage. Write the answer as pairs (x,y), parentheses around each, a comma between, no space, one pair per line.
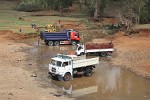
(94,6)
(28,7)
(144,16)
(139,10)
(103,4)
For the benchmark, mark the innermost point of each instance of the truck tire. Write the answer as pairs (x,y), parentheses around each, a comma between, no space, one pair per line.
(67,77)
(56,43)
(82,53)
(46,43)
(103,54)
(50,43)
(88,72)
(73,42)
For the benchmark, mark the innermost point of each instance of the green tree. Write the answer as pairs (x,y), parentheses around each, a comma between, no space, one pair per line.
(95,8)
(132,9)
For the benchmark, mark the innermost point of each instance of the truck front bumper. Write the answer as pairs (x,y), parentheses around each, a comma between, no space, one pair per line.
(53,75)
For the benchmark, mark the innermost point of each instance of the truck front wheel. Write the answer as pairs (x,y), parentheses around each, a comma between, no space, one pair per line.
(50,43)
(67,77)
(73,42)
(103,54)
(88,72)
(82,53)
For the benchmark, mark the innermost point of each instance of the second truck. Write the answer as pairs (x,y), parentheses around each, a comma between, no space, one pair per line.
(103,48)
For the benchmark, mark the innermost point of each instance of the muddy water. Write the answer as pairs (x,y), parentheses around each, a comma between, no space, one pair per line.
(109,82)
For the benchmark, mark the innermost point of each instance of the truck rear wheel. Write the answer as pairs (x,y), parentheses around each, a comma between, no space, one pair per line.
(56,43)
(67,77)
(50,43)
(88,72)
(103,54)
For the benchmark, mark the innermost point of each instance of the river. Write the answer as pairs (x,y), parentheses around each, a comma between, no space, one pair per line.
(109,82)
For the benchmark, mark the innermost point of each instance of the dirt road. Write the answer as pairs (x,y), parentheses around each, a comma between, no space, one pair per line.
(16,82)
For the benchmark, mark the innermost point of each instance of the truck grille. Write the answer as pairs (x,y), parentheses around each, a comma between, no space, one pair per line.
(53,69)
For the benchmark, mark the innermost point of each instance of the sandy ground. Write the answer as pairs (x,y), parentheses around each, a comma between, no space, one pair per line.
(16,82)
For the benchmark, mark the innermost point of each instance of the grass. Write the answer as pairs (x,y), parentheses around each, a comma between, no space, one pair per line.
(9,20)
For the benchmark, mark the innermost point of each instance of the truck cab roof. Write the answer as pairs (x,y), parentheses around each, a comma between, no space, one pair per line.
(63,58)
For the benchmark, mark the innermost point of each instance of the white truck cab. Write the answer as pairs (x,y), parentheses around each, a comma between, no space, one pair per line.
(65,66)
(80,50)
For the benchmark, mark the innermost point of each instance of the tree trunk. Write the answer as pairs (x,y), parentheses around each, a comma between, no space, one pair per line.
(139,15)
(96,13)
(61,8)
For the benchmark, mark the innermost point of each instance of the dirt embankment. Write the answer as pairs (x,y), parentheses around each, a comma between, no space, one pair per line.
(132,52)
(16,83)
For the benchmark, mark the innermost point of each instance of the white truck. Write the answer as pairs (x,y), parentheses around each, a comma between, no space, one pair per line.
(103,48)
(66,66)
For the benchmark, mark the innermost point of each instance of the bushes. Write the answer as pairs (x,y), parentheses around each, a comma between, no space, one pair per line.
(28,7)
(145,16)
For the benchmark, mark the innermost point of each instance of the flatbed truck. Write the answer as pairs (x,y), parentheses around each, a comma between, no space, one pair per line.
(66,66)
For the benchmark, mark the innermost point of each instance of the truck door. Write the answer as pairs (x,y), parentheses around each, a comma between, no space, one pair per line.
(80,49)
(67,66)
(69,35)
(74,35)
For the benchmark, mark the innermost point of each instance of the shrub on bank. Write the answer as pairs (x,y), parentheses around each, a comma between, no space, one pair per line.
(144,17)
(28,7)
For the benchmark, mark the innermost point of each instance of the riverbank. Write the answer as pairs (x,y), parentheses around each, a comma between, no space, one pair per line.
(16,82)
(132,52)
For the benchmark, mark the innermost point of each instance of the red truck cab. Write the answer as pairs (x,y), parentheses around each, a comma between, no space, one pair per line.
(74,35)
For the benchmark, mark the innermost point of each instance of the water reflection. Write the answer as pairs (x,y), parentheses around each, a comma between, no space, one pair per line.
(45,53)
(108,83)
(81,91)
(112,79)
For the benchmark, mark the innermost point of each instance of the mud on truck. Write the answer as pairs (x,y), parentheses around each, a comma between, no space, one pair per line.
(66,66)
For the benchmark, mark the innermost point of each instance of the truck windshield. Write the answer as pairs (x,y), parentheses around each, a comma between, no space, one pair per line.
(77,35)
(79,48)
(56,63)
